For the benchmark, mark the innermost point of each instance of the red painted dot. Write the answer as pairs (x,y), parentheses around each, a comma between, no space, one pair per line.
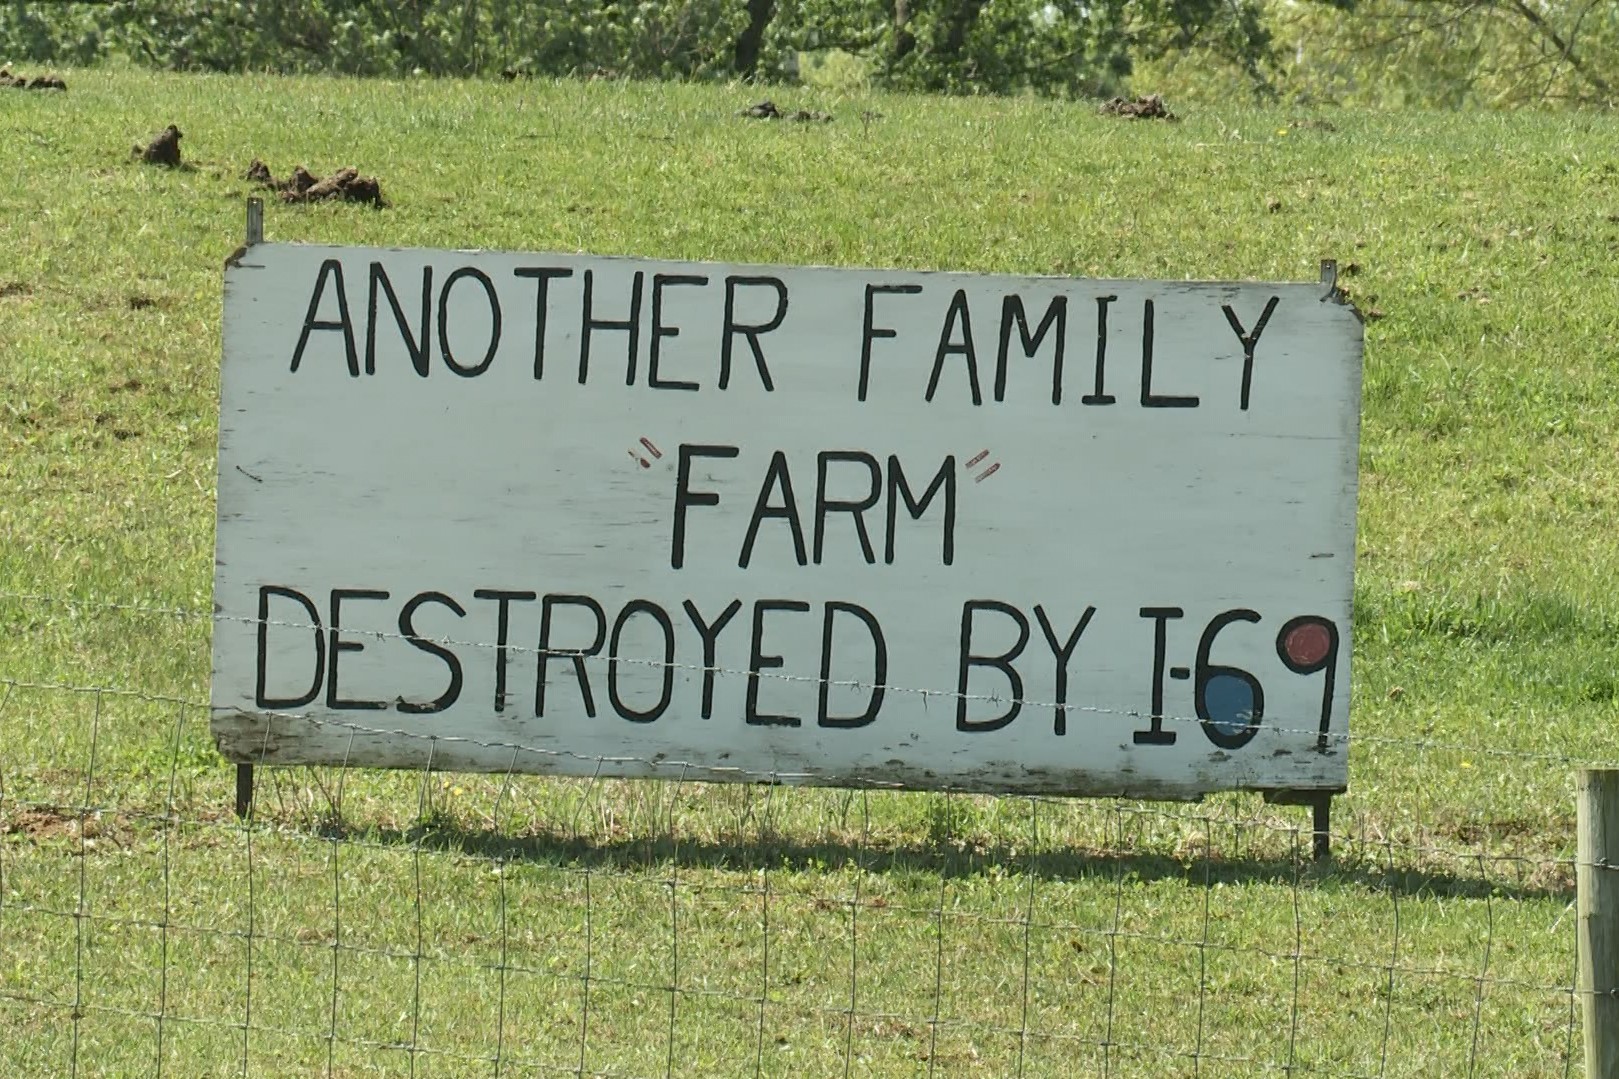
(1308,644)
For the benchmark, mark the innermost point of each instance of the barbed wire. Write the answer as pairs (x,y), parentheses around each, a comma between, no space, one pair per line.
(1332,738)
(1419,744)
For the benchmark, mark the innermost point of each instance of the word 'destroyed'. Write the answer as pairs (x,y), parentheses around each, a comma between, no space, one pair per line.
(588,515)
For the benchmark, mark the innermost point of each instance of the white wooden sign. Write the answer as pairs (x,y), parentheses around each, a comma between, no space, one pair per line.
(599,516)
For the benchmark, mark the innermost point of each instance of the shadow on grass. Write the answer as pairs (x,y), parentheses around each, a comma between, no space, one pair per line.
(1359,866)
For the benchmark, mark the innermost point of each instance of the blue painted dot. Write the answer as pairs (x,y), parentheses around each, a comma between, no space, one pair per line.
(1230,703)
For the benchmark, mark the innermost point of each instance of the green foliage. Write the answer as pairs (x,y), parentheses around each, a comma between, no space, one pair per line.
(1061,47)
(1052,47)
(1453,53)
(1444,53)
(38,33)
(650,38)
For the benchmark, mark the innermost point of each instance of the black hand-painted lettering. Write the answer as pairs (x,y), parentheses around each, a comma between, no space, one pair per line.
(661,617)
(1155,735)
(1148,398)
(751,331)
(502,626)
(1218,729)
(334,269)
(879,677)
(660,331)
(899,490)
(589,324)
(1014,317)
(259,697)
(776,476)
(337,646)
(407,626)
(958,318)
(685,497)
(418,345)
(856,508)
(444,321)
(1318,651)
(870,331)
(577,655)
(1062,652)
(710,635)
(542,275)
(759,660)
(1001,662)
(1099,395)
(1249,340)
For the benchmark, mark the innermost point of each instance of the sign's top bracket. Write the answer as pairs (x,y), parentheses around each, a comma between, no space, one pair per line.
(255,221)
(1334,294)
(255,231)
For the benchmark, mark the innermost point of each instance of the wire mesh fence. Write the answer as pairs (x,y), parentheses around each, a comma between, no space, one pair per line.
(427,922)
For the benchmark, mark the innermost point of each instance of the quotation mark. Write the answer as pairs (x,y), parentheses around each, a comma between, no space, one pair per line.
(646,444)
(974,461)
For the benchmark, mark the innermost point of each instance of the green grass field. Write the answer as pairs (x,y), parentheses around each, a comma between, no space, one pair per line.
(400,923)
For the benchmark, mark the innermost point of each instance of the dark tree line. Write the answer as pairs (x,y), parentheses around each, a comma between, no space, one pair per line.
(1438,51)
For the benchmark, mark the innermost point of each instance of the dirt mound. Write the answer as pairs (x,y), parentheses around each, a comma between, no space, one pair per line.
(23,82)
(344,185)
(162,150)
(1151,107)
(769,110)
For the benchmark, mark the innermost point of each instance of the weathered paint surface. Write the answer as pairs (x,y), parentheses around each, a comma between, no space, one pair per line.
(577,515)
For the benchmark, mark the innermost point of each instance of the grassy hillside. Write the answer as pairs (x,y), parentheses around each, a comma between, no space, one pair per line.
(535,921)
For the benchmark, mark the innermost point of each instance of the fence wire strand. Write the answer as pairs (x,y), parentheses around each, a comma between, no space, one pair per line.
(505,929)
(1393,963)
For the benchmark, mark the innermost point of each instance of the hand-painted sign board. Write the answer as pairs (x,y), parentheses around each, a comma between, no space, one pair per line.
(579,515)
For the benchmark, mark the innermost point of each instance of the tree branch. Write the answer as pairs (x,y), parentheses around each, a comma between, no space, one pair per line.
(1564,48)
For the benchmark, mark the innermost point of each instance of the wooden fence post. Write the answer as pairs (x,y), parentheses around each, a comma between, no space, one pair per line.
(1597,884)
